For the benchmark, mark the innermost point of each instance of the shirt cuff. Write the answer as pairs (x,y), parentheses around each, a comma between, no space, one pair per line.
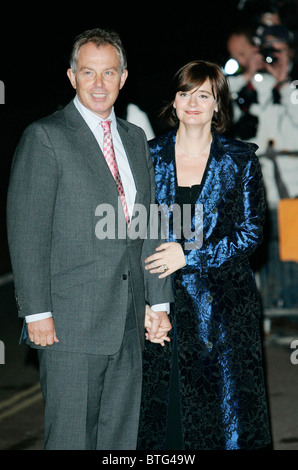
(161,308)
(38,316)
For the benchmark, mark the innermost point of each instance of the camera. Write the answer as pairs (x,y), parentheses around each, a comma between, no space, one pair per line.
(278,33)
(268,52)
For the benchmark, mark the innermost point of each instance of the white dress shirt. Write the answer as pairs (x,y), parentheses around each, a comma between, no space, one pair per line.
(93,121)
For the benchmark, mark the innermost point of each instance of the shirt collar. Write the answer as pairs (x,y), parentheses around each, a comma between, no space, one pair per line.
(92,119)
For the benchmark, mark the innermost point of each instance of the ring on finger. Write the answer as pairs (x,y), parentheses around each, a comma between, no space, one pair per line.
(165,268)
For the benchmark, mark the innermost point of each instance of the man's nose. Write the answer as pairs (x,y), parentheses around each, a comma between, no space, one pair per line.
(98,80)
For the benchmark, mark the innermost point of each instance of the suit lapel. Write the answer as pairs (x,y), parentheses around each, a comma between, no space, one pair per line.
(136,162)
(86,145)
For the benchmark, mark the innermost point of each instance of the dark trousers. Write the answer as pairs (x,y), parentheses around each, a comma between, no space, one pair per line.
(92,402)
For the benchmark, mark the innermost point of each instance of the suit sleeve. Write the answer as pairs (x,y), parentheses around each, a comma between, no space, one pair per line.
(158,291)
(247,230)
(30,209)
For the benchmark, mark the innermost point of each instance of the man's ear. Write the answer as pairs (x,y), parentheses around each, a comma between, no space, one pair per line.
(123,78)
(72,78)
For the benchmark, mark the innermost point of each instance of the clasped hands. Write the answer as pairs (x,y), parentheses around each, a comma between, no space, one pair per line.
(157,326)
(167,259)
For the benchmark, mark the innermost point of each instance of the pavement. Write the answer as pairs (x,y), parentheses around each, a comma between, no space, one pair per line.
(21,404)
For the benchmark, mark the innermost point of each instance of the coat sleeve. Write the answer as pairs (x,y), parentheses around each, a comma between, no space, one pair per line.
(247,230)
(30,209)
(157,291)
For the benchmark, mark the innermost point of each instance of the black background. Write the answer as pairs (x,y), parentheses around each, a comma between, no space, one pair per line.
(159,37)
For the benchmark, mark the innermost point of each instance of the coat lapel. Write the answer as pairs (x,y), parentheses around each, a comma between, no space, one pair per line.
(136,161)
(165,173)
(129,147)
(212,183)
(166,177)
(86,146)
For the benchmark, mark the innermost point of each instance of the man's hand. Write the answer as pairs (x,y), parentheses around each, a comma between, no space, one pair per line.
(255,63)
(279,69)
(42,332)
(157,325)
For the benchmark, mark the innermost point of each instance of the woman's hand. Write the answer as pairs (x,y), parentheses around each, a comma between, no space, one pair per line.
(168,258)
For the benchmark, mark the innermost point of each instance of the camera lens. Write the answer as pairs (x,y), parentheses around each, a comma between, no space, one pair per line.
(269,54)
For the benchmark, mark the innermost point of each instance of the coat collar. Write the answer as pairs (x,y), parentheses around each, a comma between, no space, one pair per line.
(165,169)
(76,122)
(167,153)
(224,162)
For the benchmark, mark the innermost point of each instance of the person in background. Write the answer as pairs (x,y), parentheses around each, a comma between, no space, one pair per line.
(262,106)
(137,116)
(205,389)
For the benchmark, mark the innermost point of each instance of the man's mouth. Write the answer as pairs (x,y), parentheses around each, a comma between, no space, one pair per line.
(98,95)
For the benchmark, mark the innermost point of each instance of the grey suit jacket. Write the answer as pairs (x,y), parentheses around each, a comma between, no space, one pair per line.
(58,178)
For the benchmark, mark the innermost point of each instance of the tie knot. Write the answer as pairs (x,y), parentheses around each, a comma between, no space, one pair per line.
(106,125)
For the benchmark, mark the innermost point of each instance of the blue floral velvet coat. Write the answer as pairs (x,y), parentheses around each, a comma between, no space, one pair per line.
(216,314)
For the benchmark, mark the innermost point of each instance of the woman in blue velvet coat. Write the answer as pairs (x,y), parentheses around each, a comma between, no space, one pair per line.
(205,388)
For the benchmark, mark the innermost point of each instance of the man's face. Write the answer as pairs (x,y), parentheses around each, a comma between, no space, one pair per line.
(241,50)
(98,78)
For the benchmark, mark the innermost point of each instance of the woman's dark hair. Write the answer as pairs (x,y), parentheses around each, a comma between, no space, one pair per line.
(192,76)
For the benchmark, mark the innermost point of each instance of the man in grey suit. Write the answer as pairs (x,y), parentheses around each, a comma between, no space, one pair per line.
(82,295)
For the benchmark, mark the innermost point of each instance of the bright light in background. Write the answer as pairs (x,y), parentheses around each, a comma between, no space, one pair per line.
(231,67)
(258,77)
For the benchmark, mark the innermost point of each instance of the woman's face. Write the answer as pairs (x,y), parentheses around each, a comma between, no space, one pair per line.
(196,107)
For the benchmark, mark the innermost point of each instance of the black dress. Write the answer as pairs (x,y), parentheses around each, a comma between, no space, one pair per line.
(174,435)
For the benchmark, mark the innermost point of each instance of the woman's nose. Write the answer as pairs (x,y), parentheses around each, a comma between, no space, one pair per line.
(192,100)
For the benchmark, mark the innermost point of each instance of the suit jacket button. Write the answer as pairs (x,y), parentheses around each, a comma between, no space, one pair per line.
(214,210)
(209,298)
(124,277)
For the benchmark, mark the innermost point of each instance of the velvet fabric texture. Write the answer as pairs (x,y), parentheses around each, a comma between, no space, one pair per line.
(216,314)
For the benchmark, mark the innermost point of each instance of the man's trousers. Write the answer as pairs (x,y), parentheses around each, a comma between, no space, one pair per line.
(93,401)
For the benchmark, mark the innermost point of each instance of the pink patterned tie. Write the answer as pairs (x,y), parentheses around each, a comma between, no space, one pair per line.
(109,154)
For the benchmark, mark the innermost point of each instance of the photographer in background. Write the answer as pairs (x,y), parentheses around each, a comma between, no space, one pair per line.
(263,111)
